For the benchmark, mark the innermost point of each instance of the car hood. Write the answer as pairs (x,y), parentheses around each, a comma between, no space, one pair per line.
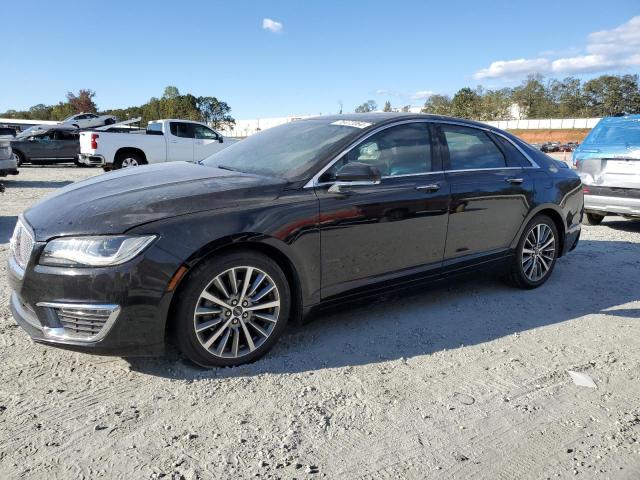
(117,201)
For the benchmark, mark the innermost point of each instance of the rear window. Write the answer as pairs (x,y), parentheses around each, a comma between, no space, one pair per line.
(470,148)
(620,131)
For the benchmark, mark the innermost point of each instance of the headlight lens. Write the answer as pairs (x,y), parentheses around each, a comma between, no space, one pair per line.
(93,251)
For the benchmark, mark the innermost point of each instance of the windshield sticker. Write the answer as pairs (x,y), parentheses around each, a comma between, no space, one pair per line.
(352,123)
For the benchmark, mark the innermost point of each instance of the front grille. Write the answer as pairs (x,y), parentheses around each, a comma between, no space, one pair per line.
(79,322)
(83,323)
(21,244)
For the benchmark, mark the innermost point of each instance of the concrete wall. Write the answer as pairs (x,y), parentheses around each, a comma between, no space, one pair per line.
(545,123)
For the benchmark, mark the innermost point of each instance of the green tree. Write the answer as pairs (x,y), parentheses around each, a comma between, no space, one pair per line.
(61,111)
(214,112)
(612,95)
(387,106)
(438,105)
(171,92)
(532,99)
(494,104)
(466,103)
(368,106)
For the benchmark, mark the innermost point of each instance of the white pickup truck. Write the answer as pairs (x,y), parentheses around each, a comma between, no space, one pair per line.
(163,141)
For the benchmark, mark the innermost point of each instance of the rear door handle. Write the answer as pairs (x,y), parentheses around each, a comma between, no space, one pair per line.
(516,181)
(432,187)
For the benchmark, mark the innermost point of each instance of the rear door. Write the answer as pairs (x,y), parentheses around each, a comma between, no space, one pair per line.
(491,192)
(207,142)
(180,142)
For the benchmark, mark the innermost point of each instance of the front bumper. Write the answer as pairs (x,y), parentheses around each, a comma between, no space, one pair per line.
(91,160)
(123,308)
(608,204)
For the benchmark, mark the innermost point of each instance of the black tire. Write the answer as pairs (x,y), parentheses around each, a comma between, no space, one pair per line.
(516,275)
(592,219)
(188,298)
(20,156)
(125,157)
(109,121)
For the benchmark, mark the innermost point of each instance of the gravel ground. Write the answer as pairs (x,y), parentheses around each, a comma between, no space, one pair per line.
(462,380)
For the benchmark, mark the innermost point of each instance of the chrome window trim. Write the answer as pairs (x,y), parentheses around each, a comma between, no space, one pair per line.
(314,180)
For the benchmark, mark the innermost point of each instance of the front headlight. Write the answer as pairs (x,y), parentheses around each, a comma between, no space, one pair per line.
(93,251)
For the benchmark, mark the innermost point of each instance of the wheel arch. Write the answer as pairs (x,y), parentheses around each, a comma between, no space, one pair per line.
(555,214)
(244,242)
(126,150)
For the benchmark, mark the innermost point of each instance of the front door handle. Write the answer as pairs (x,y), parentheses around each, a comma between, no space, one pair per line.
(432,187)
(516,181)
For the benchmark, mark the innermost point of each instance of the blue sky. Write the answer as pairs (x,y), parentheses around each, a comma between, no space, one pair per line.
(324,51)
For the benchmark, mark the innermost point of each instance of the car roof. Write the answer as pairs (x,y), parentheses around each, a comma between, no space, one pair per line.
(380,118)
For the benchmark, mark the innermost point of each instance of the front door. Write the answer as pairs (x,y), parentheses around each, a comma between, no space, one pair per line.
(207,142)
(180,142)
(377,232)
(490,192)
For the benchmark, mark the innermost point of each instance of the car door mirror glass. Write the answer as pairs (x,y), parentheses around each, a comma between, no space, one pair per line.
(358,172)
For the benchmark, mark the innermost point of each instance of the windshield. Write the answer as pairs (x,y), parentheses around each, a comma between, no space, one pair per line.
(72,117)
(288,151)
(623,131)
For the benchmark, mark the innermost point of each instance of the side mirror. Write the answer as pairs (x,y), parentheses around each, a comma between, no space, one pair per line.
(355,173)
(220,139)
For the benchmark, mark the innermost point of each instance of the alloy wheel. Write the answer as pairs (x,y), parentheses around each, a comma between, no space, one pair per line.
(538,252)
(129,162)
(236,312)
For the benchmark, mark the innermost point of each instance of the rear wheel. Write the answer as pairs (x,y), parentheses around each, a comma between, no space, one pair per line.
(536,254)
(128,159)
(592,219)
(232,309)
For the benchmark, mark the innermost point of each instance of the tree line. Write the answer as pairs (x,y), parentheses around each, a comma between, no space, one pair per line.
(172,104)
(537,97)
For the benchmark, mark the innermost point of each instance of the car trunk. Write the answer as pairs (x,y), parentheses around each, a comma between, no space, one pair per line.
(619,170)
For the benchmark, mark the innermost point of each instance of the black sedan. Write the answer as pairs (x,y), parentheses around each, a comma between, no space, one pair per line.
(220,256)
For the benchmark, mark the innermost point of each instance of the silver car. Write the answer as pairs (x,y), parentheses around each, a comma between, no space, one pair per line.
(608,162)
(8,160)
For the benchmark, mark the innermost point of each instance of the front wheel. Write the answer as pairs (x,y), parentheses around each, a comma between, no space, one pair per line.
(536,254)
(20,160)
(232,309)
(592,219)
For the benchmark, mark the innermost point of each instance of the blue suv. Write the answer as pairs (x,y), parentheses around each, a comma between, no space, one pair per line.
(608,162)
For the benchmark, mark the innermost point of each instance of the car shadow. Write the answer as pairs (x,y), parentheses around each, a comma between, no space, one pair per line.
(464,311)
(631,226)
(9,184)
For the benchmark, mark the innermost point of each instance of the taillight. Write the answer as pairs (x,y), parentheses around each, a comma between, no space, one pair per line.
(585,189)
(94,141)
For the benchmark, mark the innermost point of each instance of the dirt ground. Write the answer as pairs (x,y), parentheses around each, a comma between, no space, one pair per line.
(466,379)
(548,135)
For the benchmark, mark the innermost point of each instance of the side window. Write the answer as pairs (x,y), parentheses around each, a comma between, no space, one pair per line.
(179,129)
(205,133)
(514,157)
(401,150)
(470,148)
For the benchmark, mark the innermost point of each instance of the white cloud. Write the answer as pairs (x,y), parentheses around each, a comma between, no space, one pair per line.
(382,91)
(271,25)
(606,50)
(422,94)
(513,68)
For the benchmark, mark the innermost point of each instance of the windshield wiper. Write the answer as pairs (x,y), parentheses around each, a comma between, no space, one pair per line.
(225,167)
